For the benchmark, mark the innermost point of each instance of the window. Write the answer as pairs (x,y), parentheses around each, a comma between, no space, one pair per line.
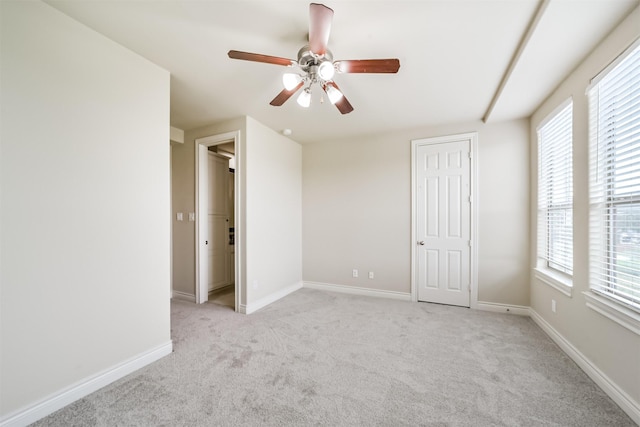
(614,180)
(555,196)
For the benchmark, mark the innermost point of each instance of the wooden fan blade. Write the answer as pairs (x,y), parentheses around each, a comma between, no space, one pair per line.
(282,97)
(256,57)
(320,17)
(368,66)
(342,104)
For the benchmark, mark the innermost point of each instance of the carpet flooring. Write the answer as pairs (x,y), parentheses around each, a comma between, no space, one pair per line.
(318,358)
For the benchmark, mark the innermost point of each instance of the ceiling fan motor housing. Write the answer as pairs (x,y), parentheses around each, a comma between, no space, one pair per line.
(309,62)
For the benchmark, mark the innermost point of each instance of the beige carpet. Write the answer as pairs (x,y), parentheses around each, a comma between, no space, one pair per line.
(317,358)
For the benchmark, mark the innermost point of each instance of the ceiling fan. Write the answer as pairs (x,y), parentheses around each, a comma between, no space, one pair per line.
(316,65)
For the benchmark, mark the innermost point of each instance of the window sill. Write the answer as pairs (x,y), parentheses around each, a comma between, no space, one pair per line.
(556,281)
(614,311)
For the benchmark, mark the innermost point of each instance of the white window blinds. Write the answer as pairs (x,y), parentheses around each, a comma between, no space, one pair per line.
(614,173)
(555,191)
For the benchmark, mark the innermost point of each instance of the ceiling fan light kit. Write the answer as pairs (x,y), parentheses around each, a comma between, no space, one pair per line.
(291,80)
(316,64)
(304,99)
(334,94)
(326,70)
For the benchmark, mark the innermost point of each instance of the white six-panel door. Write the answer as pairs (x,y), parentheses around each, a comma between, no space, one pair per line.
(443,222)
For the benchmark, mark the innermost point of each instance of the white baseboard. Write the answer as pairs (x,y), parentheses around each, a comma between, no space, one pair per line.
(66,396)
(269,299)
(183,296)
(242,309)
(520,310)
(628,405)
(403,296)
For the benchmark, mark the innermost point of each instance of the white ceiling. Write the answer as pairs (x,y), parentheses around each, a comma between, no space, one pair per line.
(453,56)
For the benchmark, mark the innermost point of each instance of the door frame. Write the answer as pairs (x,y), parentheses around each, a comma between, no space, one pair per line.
(472,137)
(201,148)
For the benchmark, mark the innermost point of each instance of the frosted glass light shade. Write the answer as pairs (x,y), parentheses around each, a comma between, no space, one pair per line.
(326,70)
(334,94)
(304,99)
(290,80)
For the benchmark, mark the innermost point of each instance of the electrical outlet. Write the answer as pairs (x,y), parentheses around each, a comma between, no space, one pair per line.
(355,273)
(553,305)
(371,275)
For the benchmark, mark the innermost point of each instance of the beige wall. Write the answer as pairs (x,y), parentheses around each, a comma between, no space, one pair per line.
(503,212)
(183,232)
(269,228)
(612,349)
(84,261)
(357,210)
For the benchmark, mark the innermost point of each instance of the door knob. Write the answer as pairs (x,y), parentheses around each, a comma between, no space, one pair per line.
(421,242)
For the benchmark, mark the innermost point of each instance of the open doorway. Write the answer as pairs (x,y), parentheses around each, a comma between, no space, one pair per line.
(221,224)
(216,231)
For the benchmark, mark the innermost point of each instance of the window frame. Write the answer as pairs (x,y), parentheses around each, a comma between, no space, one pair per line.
(545,271)
(603,205)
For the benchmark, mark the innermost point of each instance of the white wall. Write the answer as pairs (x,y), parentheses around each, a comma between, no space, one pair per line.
(274,214)
(269,227)
(357,210)
(84,261)
(610,348)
